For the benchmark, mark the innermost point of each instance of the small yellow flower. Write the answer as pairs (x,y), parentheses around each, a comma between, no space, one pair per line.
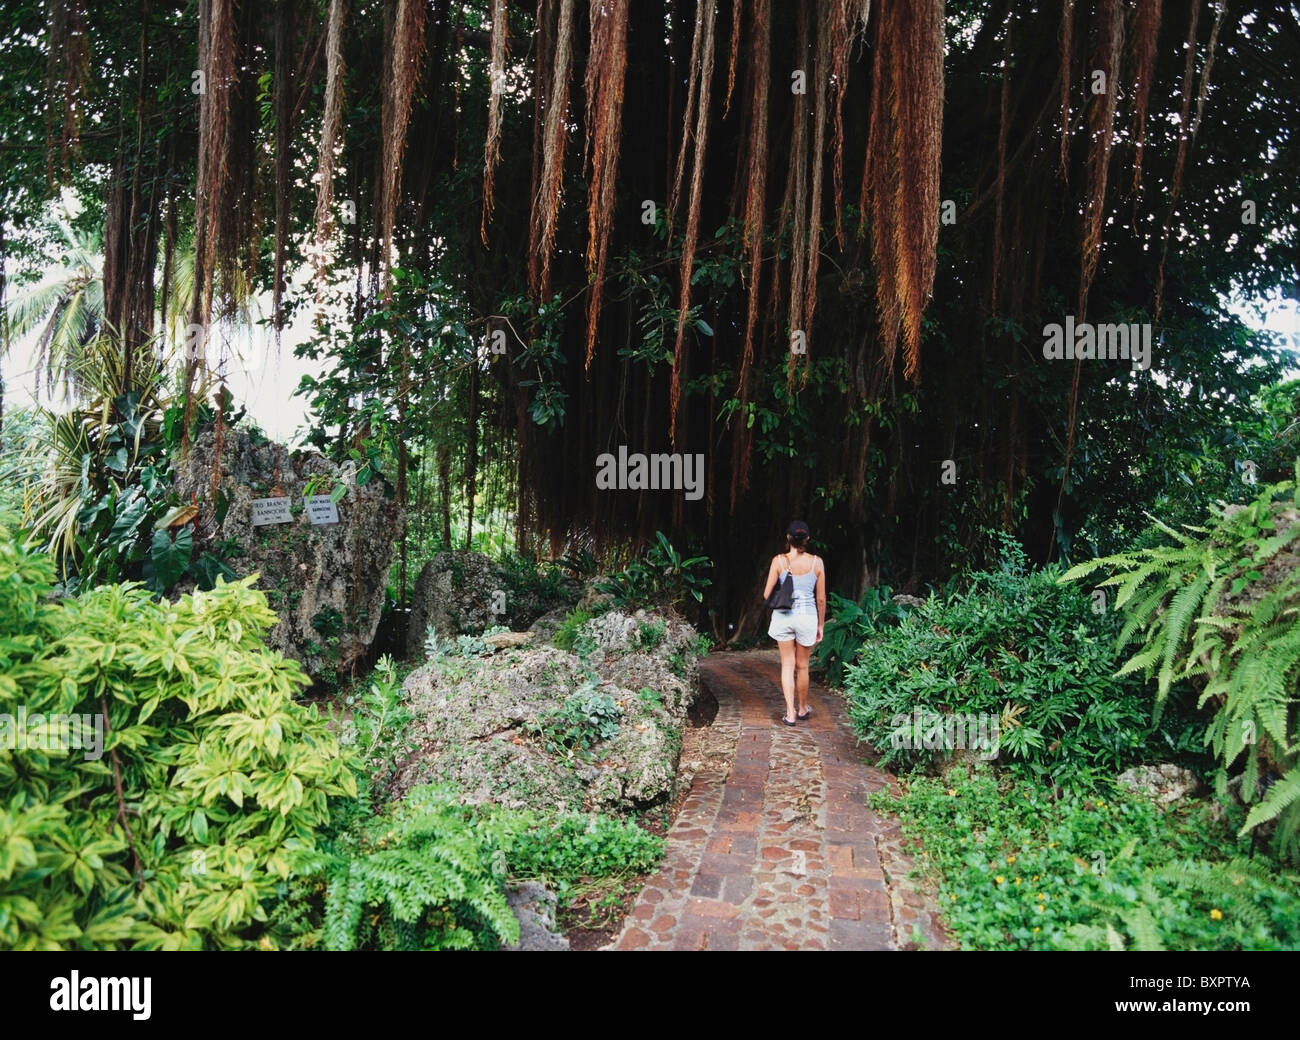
(952,792)
(1053,844)
(1038,908)
(1101,805)
(998,880)
(1017,881)
(1037,929)
(1011,859)
(1035,877)
(1216,914)
(1041,898)
(953,898)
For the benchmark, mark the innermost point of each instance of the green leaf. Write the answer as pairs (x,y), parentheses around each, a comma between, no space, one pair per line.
(170,558)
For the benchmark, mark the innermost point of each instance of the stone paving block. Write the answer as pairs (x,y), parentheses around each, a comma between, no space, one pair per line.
(708,885)
(737,888)
(711,908)
(860,935)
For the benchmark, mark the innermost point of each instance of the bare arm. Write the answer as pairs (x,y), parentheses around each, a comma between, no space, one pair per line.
(821,598)
(773,572)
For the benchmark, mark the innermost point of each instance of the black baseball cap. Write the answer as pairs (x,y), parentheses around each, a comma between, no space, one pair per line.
(798,529)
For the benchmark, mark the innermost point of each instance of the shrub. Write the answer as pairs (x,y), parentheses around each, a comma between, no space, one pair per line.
(103,504)
(569,628)
(431,874)
(1016,870)
(664,577)
(1025,651)
(850,624)
(564,850)
(650,634)
(377,730)
(1221,609)
(587,718)
(423,876)
(209,775)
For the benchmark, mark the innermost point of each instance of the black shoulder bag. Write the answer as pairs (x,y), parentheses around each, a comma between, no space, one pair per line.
(782,597)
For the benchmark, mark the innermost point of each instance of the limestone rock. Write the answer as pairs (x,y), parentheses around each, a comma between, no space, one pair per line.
(464,592)
(455,593)
(497,727)
(545,627)
(326,582)
(533,905)
(502,640)
(1167,783)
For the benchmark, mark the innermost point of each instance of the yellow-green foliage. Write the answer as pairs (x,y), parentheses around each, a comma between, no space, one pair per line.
(1202,609)
(211,777)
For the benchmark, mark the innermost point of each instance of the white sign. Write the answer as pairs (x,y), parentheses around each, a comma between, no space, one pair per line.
(322,510)
(271,511)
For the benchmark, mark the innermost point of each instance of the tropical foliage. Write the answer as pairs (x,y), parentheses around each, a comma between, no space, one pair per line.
(1221,607)
(1110,870)
(172,832)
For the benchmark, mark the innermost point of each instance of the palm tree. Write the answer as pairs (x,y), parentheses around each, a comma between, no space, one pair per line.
(67,305)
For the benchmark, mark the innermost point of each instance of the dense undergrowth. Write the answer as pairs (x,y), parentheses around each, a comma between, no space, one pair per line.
(1187,653)
(1018,869)
(211,809)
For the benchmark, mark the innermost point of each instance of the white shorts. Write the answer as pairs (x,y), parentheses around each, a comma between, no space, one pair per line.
(788,625)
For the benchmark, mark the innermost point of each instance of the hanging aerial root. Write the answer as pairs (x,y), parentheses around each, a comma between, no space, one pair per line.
(496,94)
(708,13)
(606,68)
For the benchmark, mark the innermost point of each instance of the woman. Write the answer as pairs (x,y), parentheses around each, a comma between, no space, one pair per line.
(798,629)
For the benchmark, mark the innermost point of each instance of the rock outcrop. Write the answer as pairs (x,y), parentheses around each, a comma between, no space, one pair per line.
(522,727)
(327,582)
(464,592)
(1166,783)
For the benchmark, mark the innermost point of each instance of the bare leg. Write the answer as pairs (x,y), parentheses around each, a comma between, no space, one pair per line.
(801,655)
(787,675)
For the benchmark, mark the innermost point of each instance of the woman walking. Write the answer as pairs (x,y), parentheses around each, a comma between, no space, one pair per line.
(798,629)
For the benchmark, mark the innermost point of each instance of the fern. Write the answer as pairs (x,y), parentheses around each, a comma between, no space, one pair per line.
(1282,795)
(1186,614)
(420,877)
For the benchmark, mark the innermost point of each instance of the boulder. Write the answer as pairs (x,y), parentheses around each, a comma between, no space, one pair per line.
(502,640)
(491,725)
(326,582)
(455,593)
(463,592)
(545,627)
(533,905)
(1166,783)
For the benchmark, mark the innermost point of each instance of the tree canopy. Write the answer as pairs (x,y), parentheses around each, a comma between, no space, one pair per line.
(815,241)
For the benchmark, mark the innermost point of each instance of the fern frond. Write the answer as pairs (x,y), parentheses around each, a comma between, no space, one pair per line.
(1282,794)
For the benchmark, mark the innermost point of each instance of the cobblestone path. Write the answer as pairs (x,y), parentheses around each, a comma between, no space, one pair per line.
(780,852)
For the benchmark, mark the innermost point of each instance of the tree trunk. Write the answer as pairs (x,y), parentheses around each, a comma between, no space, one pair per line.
(471,453)
(444,485)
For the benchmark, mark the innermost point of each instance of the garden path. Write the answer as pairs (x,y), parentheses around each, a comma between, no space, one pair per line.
(776,848)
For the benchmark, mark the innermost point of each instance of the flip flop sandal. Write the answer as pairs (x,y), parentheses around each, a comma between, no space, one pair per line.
(805,716)
(787,721)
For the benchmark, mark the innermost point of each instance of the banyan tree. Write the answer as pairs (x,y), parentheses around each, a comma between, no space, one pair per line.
(812,240)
